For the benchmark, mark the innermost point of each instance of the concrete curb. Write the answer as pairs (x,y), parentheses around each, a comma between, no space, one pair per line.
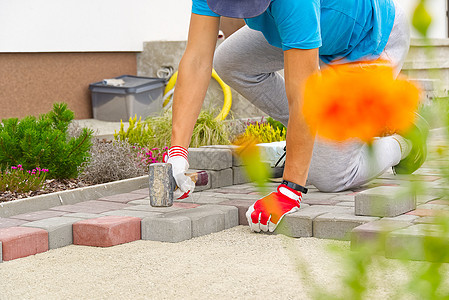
(68,197)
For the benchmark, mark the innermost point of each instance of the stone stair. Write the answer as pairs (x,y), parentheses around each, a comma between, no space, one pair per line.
(427,64)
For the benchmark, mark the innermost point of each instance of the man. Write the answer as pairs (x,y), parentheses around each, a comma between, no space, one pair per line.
(297,36)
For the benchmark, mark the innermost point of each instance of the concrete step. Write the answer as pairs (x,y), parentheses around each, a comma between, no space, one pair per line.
(432,49)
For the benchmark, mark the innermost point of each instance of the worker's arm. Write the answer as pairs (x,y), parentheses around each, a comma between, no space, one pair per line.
(266,213)
(298,66)
(194,74)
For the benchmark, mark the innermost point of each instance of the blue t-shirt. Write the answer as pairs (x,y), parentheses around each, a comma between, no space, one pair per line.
(342,29)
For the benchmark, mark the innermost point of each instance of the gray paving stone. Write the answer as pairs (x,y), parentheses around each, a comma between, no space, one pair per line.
(92,206)
(418,242)
(239,175)
(404,218)
(345,198)
(300,223)
(83,215)
(220,178)
(123,198)
(140,202)
(150,208)
(235,159)
(242,206)
(210,158)
(59,229)
(239,196)
(8,222)
(1,253)
(38,215)
(131,213)
(162,228)
(425,198)
(374,233)
(425,220)
(231,214)
(338,225)
(346,203)
(384,201)
(203,198)
(204,219)
(145,191)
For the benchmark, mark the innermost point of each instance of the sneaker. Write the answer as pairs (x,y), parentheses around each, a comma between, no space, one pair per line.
(418,154)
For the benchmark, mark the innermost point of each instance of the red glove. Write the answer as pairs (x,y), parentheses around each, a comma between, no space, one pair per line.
(266,213)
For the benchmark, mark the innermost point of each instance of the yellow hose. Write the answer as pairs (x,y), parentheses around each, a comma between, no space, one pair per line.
(226,93)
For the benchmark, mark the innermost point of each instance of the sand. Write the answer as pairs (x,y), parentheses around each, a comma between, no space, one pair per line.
(232,264)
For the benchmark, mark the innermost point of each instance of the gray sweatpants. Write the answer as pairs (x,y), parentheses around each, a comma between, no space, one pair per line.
(250,65)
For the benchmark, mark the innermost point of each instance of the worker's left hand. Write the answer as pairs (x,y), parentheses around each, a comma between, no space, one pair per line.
(177,157)
(266,213)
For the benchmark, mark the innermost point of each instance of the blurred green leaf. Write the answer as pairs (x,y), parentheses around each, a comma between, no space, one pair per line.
(421,18)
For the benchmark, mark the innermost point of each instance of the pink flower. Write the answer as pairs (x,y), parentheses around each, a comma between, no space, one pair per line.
(19,166)
(14,168)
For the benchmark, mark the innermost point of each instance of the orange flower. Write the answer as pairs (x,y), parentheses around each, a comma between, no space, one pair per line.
(355,101)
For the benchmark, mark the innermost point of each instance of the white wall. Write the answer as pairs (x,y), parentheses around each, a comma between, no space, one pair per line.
(437,8)
(90,25)
(116,25)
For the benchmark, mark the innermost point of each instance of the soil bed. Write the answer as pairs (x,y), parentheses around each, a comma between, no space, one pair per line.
(50,186)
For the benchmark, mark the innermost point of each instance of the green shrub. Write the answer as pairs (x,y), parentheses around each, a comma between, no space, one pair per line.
(43,143)
(262,133)
(156,132)
(275,124)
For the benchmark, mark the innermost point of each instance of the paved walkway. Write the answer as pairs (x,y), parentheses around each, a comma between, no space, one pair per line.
(128,217)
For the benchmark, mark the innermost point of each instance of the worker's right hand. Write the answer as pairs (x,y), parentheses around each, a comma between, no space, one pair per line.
(177,157)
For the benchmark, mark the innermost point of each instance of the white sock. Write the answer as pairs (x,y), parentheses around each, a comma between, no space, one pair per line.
(405,144)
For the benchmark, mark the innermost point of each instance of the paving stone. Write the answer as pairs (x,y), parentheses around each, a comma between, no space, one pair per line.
(220,178)
(20,242)
(428,212)
(384,201)
(185,205)
(338,225)
(235,159)
(404,218)
(425,220)
(59,230)
(203,198)
(204,219)
(145,201)
(346,203)
(145,191)
(123,198)
(232,190)
(131,213)
(106,231)
(374,233)
(418,242)
(171,229)
(231,214)
(242,206)
(149,208)
(1,253)
(92,206)
(425,198)
(300,223)
(346,198)
(318,201)
(210,158)
(8,222)
(39,215)
(239,175)
(82,215)
(433,206)
(439,202)
(253,197)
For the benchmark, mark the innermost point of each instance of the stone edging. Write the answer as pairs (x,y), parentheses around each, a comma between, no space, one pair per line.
(46,201)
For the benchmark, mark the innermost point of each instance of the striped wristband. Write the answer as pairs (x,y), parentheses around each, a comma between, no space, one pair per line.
(178,151)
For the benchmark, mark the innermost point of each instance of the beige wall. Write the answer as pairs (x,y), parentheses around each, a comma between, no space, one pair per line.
(31,82)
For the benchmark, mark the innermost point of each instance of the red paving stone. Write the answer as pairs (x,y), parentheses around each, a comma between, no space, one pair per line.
(428,212)
(123,198)
(39,215)
(106,231)
(7,222)
(19,242)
